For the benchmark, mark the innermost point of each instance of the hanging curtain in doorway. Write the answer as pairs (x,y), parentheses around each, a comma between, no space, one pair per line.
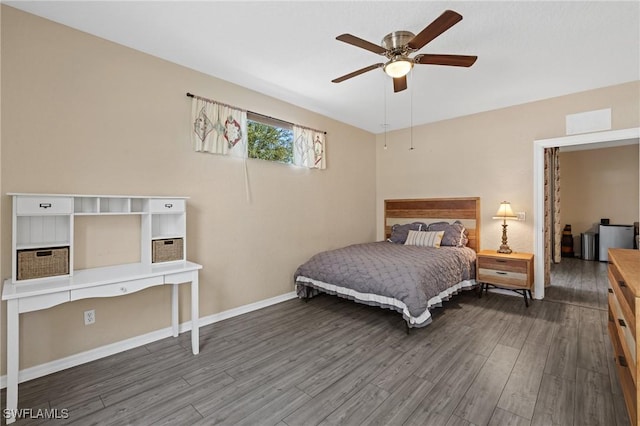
(309,148)
(218,128)
(552,230)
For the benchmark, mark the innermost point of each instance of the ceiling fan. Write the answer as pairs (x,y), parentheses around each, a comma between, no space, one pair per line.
(398,45)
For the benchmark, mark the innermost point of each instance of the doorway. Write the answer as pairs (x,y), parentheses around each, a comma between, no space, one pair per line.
(539,146)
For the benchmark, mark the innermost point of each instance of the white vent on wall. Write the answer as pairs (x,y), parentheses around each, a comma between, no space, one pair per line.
(590,121)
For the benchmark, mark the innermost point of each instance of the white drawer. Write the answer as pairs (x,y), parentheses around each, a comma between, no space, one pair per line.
(179,278)
(44,205)
(35,303)
(166,205)
(116,289)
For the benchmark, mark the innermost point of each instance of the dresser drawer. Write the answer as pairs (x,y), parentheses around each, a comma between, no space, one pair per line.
(44,205)
(622,291)
(511,265)
(624,367)
(624,327)
(167,205)
(116,289)
(503,278)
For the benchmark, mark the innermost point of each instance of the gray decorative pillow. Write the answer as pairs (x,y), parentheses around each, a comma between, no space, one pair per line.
(399,232)
(455,234)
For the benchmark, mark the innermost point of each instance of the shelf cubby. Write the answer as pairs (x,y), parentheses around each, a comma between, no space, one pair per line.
(42,231)
(165,225)
(115,205)
(85,205)
(138,205)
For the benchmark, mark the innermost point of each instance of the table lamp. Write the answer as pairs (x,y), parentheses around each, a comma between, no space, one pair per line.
(504,213)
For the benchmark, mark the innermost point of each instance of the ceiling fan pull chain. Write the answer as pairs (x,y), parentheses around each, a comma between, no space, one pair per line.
(385,124)
(411,111)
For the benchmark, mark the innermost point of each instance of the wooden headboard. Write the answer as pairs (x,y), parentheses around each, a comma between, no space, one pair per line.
(429,210)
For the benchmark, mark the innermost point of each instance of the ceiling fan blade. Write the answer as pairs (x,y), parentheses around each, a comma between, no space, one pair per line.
(399,84)
(355,73)
(441,24)
(364,44)
(452,60)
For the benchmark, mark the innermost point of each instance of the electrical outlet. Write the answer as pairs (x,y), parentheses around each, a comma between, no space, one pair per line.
(522,216)
(89,317)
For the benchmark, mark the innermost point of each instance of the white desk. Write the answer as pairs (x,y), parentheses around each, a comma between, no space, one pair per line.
(97,282)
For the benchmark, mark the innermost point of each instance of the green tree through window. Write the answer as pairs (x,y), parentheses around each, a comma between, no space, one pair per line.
(269,142)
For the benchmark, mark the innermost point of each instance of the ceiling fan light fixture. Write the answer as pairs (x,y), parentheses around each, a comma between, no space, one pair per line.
(398,45)
(398,66)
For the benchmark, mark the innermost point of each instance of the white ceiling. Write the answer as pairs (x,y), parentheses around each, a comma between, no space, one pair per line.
(526,50)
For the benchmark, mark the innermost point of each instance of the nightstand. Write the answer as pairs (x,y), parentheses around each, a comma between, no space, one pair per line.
(509,271)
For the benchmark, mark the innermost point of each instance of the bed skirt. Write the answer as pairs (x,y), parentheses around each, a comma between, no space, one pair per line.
(307,288)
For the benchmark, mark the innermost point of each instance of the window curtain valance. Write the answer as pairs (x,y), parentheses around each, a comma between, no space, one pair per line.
(218,128)
(309,148)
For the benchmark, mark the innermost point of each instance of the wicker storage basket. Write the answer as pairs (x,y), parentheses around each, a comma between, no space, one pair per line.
(166,250)
(44,262)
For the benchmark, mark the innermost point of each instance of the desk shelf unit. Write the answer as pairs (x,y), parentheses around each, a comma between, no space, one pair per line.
(46,221)
(43,225)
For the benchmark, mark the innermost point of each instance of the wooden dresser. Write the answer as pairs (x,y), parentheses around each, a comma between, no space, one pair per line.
(624,321)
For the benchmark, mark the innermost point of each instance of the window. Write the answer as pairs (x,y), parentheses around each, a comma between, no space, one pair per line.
(269,139)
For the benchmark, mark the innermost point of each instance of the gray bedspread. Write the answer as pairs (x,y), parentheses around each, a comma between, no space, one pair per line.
(408,279)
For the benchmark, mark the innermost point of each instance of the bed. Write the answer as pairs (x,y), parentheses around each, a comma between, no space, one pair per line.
(428,255)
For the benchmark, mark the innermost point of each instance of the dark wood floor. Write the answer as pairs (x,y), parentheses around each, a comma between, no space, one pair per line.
(329,361)
(579,282)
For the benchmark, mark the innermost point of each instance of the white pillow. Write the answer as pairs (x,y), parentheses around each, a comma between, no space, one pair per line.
(424,238)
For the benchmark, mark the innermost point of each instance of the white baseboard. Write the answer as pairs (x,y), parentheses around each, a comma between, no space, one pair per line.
(134,342)
(239,310)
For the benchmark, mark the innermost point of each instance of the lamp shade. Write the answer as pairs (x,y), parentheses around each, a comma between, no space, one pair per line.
(505,212)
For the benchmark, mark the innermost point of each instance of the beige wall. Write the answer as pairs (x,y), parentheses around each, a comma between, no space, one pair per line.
(599,183)
(84,115)
(489,155)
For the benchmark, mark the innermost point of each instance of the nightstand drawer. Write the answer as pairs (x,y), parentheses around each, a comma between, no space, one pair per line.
(503,278)
(510,265)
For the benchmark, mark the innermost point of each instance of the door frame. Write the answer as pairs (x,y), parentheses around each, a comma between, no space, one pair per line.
(538,187)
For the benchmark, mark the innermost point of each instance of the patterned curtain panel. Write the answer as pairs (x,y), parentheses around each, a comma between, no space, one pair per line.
(552,230)
(309,148)
(557,230)
(218,128)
